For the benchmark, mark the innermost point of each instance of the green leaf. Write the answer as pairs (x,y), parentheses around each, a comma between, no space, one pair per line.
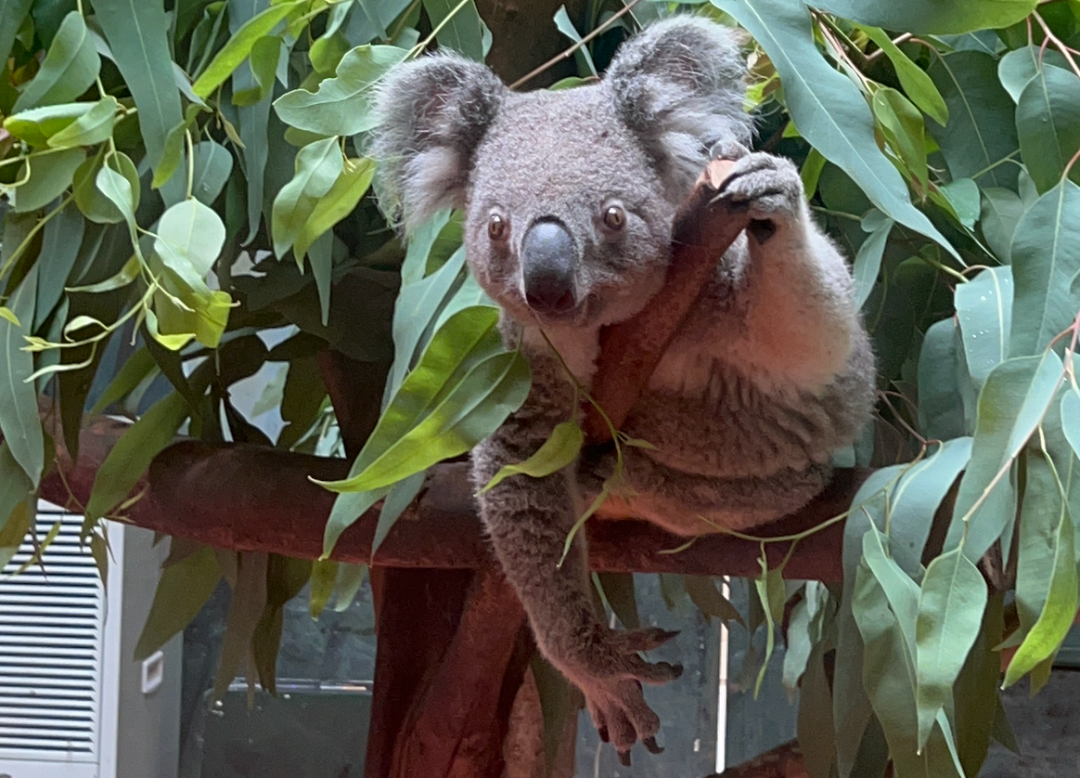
(93,203)
(342,105)
(50,174)
(239,46)
(136,369)
(1070,419)
(265,54)
(903,128)
(1013,401)
(463,31)
(181,593)
(952,599)
(212,164)
(70,67)
(962,197)
(15,486)
(18,398)
(771,593)
(984,310)
(917,84)
(133,452)
(323,578)
(1017,68)
(398,498)
(348,507)
(815,718)
(868,259)
(567,28)
(618,591)
(931,16)
(704,594)
(943,383)
(1058,614)
(1048,125)
(1042,511)
(826,106)
(341,199)
(12,14)
(61,240)
(93,127)
(118,190)
(245,611)
(1001,212)
(137,32)
(318,167)
(472,409)
(980,132)
(558,451)
(37,125)
(1045,259)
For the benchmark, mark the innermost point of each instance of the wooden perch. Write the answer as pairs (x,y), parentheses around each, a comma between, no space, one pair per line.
(252,498)
(705,226)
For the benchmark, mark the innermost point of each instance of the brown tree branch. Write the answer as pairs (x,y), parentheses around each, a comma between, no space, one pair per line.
(705,226)
(252,498)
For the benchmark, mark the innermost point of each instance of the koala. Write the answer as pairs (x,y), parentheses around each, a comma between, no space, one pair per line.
(568,200)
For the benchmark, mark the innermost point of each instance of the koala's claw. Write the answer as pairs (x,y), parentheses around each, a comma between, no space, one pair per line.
(651,747)
(621,716)
(769,187)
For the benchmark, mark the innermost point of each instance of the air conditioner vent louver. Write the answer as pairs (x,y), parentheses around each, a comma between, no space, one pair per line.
(51,630)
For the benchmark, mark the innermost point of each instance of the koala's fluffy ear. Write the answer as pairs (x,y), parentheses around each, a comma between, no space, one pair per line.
(434,113)
(680,86)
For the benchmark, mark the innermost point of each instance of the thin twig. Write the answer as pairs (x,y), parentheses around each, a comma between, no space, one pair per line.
(1058,44)
(570,51)
(896,42)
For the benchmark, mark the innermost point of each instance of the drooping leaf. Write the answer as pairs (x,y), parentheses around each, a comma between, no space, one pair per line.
(337,203)
(18,398)
(12,13)
(245,611)
(342,105)
(559,450)
(91,201)
(133,452)
(1016,68)
(1001,212)
(815,719)
(69,68)
(704,594)
(318,166)
(942,367)
(1048,125)
(211,165)
(902,125)
(398,498)
(138,36)
(566,26)
(868,259)
(618,591)
(181,593)
(826,106)
(461,27)
(984,310)
(1070,419)
(929,16)
(1045,260)
(952,599)
(1013,401)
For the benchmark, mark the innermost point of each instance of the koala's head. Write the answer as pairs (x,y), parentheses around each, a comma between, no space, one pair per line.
(568,195)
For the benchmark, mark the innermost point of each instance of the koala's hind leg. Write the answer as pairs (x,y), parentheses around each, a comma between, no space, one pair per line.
(688,504)
(529,521)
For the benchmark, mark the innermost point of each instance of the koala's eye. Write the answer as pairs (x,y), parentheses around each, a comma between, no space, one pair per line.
(614,217)
(498,229)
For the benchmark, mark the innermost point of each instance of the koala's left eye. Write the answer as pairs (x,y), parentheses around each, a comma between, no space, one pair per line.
(614,217)
(498,229)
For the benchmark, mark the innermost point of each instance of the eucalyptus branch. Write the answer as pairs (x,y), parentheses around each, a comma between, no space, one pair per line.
(1058,44)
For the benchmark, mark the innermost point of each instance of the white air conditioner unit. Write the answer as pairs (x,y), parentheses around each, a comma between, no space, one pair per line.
(73,702)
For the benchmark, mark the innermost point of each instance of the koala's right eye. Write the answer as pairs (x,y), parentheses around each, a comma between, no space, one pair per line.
(498,228)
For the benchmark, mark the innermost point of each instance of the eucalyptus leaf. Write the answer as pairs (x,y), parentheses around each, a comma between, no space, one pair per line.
(1018,67)
(91,200)
(1048,125)
(827,107)
(18,399)
(460,27)
(558,451)
(48,174)
(342,105)
(1045,259)
(70,67)
(318,167)
(12,14)
(984,311)
(1000,214)
(930,16)
(181,593)
(868,259)
(1013,401)
(917,84)
(338,202)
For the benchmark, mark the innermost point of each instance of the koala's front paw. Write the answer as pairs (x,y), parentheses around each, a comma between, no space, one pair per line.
(614,674)
(769,187)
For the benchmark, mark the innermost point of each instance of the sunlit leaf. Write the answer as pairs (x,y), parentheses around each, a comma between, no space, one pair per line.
(318,167)
(337,203)
(559,450)
(239,47)
(342,105)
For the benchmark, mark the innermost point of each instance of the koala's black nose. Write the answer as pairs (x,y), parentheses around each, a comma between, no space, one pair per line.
(548,258)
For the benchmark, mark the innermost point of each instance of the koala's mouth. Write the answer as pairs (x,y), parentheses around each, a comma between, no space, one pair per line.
(581,314)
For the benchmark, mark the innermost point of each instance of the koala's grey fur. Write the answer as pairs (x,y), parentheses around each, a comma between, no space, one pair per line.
(770,374)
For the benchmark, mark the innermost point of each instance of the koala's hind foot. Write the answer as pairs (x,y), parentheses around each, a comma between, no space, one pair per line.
(610,674)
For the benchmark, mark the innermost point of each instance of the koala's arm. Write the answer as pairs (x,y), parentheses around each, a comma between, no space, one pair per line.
(529,520)
(796,291)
